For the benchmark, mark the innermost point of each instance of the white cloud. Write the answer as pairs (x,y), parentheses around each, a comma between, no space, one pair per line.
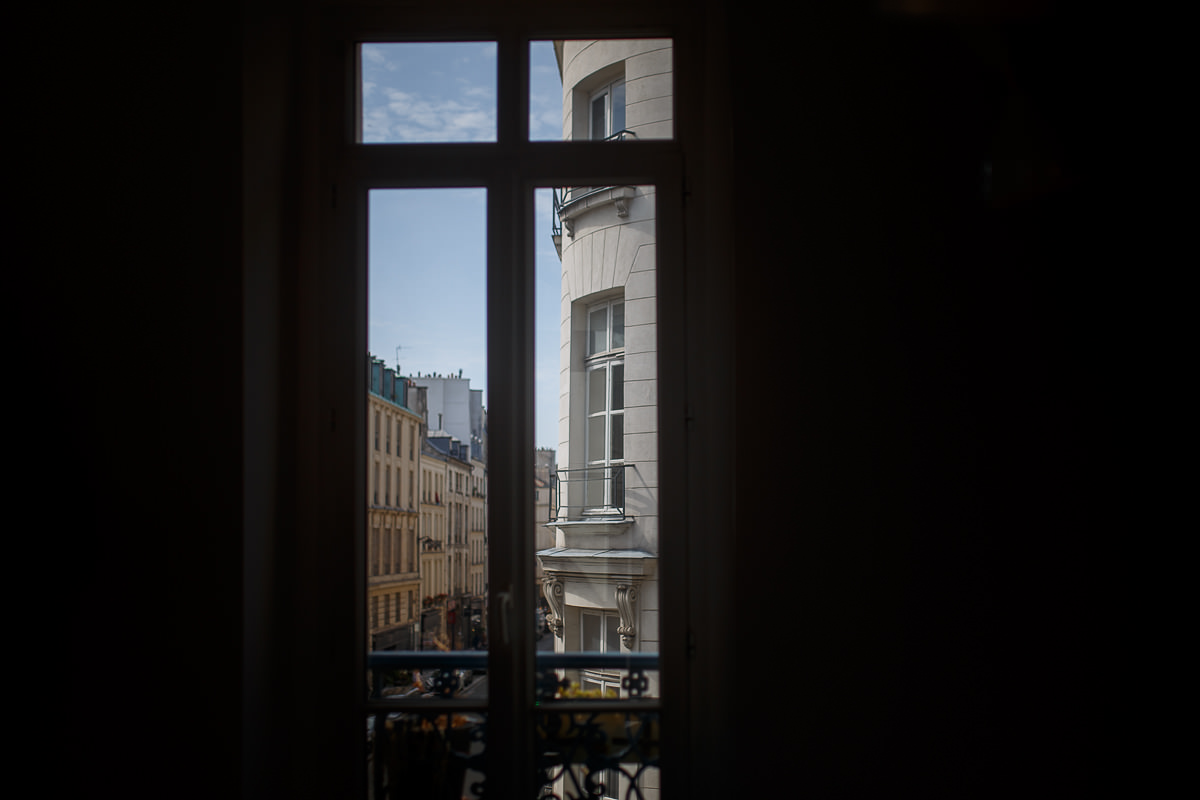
(410,117)
(416,95)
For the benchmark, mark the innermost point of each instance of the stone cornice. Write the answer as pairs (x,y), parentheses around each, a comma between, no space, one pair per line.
(609,566)
(618,196)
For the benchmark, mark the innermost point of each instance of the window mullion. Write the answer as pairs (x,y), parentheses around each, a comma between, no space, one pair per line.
(510,332)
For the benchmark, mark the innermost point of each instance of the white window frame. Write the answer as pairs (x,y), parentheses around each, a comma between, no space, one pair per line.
(607,359)
(607,92)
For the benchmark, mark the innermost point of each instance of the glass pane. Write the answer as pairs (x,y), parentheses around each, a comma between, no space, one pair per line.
(595,482)
(545,94)
(426,525)
(598,331)
(590,624)
(428,92)
(595,441)
(636,76)
(599,128)
(596,283)
(618,108)
(596,391)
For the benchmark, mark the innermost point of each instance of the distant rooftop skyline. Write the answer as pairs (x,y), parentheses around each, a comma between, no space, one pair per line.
(427,248)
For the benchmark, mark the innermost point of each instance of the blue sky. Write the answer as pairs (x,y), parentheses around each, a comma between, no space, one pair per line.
(427,247)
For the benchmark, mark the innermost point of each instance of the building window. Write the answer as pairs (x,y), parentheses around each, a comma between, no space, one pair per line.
(606,109)
(605,404)
(386,552)
(606,328)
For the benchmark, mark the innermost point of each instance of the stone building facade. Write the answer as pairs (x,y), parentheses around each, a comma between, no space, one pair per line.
(393,445)
(600,575)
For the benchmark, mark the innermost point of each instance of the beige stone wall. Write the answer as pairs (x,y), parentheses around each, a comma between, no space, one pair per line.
(477,536)
(393,565)
(609,252)
(645,64)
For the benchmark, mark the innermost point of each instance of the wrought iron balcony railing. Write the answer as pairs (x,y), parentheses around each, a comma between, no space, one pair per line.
(588,493)
(567,194)
(432,742)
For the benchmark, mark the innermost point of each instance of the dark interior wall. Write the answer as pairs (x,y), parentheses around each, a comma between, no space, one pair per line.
(152,295)
(910,599)
(926,348)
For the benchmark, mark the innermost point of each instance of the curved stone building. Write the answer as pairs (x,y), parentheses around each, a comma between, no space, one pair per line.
(600,577)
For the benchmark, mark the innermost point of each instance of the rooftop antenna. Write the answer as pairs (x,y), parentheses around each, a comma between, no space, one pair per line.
(397,359)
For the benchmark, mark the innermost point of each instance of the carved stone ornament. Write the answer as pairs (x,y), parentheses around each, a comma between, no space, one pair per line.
(627,595)
(552,588)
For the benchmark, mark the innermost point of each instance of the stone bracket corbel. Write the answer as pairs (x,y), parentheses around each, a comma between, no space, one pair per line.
(627,595)
(552,588)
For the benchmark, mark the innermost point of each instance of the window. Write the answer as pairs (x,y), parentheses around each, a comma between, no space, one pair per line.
(606,328)
(601,411)
(605,404)
(606,111)
(598,631)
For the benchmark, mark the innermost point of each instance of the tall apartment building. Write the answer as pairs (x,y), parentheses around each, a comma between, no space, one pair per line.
(457,409)
(600,575)
(477,582)
(393,444)
(544,476)
(447,474)
(456,548)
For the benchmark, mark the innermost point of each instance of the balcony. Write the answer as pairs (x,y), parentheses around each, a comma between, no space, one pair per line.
(571,201)
(431,740)
(588,494)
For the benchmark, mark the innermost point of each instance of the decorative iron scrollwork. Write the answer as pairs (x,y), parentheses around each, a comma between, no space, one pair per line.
(547,684)
(443,682)
(429,754)
(584,754)
(635,683)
